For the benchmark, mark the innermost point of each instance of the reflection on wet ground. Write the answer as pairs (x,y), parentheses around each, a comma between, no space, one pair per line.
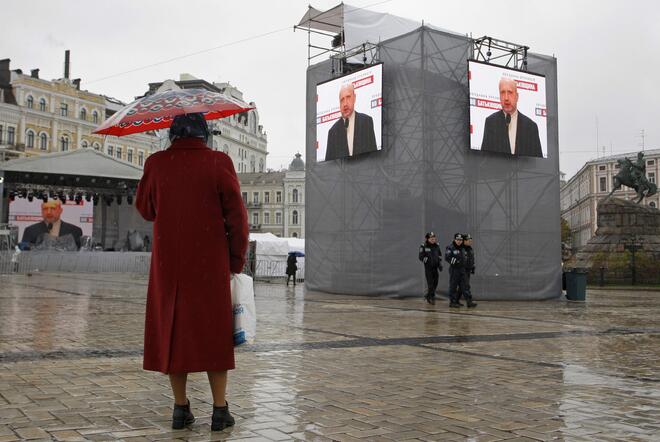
(329,367)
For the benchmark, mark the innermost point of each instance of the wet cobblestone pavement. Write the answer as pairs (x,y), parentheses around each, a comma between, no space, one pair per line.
(340,368)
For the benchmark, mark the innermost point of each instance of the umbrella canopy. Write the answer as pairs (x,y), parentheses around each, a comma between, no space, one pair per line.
(157,111)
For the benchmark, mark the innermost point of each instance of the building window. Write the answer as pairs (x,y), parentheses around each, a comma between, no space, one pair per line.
(294,196)
(651,176)
(95,117)
(253,164)
(255,197)
(111,150)
(140,158)
(0,134)
(64,109)
(278,217)
(255,218)
(267,218)
(64,143)
(119,152)
(603,167)
(97,146)
(29,102)
(244,194)
(294,217)
(83,114)
(129,155)
(43,141)
(603,184)
(652,204)
(650,163)
(30,139)
(84,144)
(11,135)
(266,197)
(278,197)
(42,105)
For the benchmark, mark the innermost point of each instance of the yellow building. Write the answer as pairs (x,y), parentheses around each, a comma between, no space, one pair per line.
(40,116)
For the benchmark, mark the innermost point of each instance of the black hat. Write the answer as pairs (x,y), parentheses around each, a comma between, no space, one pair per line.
(429,234)
(466,236)
(458,236)
(189,126)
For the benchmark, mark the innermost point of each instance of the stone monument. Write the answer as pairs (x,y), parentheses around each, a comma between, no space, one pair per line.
(626,246)
(624,229)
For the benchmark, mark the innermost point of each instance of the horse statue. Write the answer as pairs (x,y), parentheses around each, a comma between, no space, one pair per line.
(633,175)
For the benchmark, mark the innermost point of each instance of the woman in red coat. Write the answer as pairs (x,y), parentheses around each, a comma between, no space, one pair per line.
(200,237)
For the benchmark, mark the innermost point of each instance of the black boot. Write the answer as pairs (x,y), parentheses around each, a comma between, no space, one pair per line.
(454,304)
(470,303)
(221,418)
(182,416)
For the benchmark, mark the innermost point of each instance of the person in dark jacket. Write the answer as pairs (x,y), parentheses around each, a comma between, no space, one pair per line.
(52,225)
(431,256)
(469,269)
(291,267)
(455,256)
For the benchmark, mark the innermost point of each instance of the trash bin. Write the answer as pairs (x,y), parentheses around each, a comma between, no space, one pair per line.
(576,284)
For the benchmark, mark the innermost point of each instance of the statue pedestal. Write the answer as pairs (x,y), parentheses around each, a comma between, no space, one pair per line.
(623,227)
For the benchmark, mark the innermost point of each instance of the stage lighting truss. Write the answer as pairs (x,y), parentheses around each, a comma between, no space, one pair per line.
(123,192)
(500,52)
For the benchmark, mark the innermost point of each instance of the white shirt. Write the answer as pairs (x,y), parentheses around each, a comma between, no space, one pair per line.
(55,231)
(513,126)
(349,133)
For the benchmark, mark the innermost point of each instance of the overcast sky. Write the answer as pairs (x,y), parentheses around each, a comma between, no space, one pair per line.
(607,54)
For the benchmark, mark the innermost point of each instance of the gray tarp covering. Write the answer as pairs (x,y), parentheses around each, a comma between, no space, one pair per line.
(366,216)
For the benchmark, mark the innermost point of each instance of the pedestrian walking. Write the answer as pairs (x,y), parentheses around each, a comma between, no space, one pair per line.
(431,256)
(291,268)
(200,237)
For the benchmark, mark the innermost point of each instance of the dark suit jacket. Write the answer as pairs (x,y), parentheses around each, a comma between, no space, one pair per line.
(496,136)
(32,234)
(364,138)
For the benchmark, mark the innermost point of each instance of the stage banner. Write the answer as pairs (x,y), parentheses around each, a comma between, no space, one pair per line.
(23,213)
(488,125)
(365,99)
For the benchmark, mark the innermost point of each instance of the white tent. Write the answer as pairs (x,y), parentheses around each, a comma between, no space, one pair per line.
(271,253)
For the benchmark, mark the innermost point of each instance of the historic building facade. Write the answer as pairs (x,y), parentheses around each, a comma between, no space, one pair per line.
(579,196)
(40,116)
(240,136)
(276,200)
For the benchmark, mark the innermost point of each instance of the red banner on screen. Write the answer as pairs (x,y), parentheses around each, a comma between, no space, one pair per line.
(486,104)
(363,82)
(527,85)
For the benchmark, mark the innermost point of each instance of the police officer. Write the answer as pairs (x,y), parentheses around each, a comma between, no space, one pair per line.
(455,256)
(431,256)
(469,269)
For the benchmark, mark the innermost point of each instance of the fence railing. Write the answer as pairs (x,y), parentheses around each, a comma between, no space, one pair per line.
(117,262)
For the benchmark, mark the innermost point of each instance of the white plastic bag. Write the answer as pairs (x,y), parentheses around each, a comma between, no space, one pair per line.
(245,314)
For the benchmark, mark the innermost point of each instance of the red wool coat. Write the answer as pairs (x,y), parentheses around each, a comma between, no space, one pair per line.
(200,235)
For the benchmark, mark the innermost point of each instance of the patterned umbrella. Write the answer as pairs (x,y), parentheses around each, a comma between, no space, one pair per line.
(157,111)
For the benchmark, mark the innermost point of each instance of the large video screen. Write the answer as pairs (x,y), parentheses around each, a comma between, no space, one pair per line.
(507,111)
(349,114)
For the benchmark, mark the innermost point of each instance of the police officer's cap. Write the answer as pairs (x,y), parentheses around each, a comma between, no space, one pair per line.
(466,236)
(458,236)
(429,235)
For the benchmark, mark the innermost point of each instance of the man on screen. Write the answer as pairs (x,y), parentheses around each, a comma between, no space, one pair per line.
(353,133)
(51,225)
(509,131)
